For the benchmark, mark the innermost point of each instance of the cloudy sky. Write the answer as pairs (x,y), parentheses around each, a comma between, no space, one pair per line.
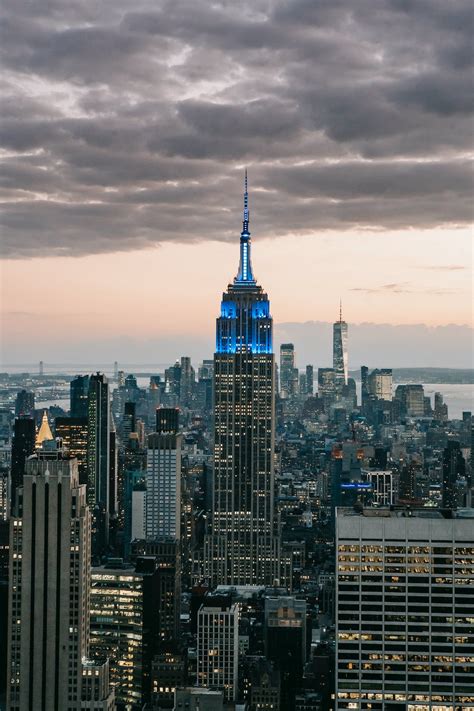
(126,127)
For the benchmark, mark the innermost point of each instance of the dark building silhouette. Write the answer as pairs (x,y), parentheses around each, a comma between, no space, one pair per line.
(23,446)
(79,390)
(99,451)
(25,404)
(309,380)
(454,467)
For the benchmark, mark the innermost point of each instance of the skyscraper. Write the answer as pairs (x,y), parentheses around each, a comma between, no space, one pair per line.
(218,647)
(339,352)
(380,383)
(243,547)
(79,391)
(309,380)
(163,477)
(454,467)
(124,626)
(288,372)
(25,404)
(404,613)
(49,590)
(98,458)
(73,433)
(23,445)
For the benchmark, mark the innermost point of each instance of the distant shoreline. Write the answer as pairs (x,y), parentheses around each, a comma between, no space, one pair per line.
(447,376)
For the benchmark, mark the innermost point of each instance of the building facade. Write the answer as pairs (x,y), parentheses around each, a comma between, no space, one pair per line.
(218,647)
(49,590)
(404,634)
(163,477)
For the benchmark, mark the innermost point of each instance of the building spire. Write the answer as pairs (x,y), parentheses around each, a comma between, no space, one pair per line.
(245,274)
(245,225)
(340,310)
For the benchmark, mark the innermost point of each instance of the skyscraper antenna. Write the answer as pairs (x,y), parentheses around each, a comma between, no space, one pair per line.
(340,310)
(246,205)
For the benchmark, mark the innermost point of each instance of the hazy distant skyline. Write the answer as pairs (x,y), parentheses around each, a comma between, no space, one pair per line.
(124,136)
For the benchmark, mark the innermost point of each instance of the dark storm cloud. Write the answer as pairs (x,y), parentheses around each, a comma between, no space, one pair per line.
(126,127)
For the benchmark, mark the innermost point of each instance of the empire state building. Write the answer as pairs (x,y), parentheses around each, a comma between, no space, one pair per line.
(243,547)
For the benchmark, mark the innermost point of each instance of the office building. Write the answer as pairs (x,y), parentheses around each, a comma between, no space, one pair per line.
(411,399)
(339,352)
(166,553)
(187,382)
(454,468)
(49,589)
(440,408)
(168,673)
(98,459)
(79,396)
(243,548)
(124,626)
(163,477)
(309,373)
(364,381)
(288,372)
(23,446)
(218,647)
(404,610)
(380,383)
(326,383)
(286,642)
(72,431)
(25,404)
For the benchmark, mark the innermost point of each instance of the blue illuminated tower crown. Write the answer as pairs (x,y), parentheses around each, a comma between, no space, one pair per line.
(245,323)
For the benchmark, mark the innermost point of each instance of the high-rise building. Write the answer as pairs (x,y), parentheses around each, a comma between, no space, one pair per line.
(166,553)
(73,433)
(326,383)
(187,382)
(243,548)
(124,627)
(25,404)
(23,446)
(454,468)
(309,379)
(98,459)
(339,352)
(163,477)
(286,642)
(403,627)
(411,399)
(79,393)
(49,589)
(364,380)
(440,408)
(218,647)
(288,372)
(380,383)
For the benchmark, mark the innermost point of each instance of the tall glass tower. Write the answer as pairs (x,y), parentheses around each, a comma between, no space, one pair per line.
(243,549)
(339,353)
